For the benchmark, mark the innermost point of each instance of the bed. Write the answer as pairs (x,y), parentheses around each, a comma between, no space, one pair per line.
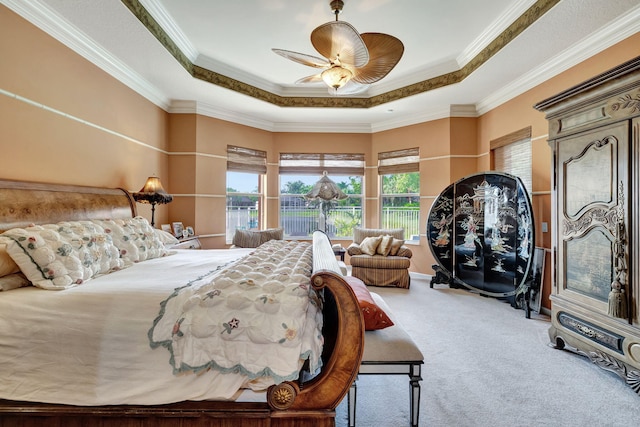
(139,342)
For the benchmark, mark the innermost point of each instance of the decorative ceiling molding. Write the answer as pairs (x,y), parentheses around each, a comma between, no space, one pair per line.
(518,26)
(48,20)
(586,48)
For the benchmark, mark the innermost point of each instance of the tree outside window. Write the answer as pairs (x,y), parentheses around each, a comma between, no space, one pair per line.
(243,202)
(400,190)
(245,168)
(401,202)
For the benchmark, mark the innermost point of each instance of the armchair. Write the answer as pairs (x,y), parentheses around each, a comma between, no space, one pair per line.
(379,257)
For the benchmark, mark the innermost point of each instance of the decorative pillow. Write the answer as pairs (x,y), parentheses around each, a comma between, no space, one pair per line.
(385,246)
(354,249)
(13,281)
(370,244)
(405,252)
(246,239)
(254,238)
(396,244)
(166,238)
(7,264)
(271,234)
(134,237)
(374,316)
(58,256)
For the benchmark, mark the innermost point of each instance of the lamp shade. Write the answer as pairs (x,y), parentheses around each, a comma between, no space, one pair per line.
(326,189)
(153,193)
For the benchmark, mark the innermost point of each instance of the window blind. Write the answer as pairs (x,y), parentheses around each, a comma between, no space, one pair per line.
(512,154)
(399,161)
(316,163)
(240,159)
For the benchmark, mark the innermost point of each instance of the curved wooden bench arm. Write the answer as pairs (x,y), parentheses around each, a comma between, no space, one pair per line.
(327,390)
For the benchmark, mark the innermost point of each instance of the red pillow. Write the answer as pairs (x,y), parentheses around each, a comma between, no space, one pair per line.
(374,316)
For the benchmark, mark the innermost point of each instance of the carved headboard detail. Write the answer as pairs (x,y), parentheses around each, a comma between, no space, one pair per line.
(24,203)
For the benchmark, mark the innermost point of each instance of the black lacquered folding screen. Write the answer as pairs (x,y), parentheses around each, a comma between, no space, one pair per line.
(480,231)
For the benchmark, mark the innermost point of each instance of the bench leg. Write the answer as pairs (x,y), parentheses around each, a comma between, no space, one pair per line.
(414,393)
(414,399)
(351,403)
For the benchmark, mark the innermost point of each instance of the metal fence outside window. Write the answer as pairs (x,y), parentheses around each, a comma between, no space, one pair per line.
(301,222)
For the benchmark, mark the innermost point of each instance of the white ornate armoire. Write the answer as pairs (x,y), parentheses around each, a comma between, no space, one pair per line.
(594,133)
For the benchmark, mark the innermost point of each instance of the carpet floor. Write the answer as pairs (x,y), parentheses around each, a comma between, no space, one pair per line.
(487,365)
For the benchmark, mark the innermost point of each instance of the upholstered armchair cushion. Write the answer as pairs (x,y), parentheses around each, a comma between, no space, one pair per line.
(360,233)
(380,262)
(397,247)
(379,257)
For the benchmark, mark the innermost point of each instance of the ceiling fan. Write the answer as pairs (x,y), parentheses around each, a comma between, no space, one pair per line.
(352,61)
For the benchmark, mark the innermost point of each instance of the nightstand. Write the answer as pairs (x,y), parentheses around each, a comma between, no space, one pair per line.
(339,252)
(188,243)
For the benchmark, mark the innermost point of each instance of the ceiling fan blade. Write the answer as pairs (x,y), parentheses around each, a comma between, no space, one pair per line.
(316,78)
(338,39)
(304,59)
(384,53)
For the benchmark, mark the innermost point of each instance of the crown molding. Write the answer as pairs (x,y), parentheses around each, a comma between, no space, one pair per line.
(43,17)
(598,41)
(195,107)
(522,22)
(49,21)
(493,31)
(160,14)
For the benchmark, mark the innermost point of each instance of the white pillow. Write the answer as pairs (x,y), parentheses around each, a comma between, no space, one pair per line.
(369,245)
(62,255)
(166,238)
(385,246)
(134,237)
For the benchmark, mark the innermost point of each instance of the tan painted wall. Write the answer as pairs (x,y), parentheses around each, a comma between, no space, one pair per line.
(63,120)
(70,122)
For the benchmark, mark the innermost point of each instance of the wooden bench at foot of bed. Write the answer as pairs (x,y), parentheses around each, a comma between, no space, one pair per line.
(390,351)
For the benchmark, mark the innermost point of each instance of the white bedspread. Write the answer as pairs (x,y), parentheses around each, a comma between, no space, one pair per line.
(90,345)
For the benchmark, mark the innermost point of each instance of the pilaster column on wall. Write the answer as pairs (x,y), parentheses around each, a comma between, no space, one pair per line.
(272,192)
(371,202)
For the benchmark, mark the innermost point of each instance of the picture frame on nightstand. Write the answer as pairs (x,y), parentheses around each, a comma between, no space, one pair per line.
(178,228)
(166,227)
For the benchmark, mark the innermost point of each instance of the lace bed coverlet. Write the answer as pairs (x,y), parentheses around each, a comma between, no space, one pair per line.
(257,317)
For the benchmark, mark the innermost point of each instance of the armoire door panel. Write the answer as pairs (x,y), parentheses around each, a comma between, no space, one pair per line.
(585,174)
(591,198)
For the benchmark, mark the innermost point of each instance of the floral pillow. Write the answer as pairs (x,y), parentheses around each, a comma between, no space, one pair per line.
(134,237)
(62,255)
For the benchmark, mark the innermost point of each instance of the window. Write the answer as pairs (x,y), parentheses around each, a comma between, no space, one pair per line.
(512,154)
(400,195)
(245,168)
(299,172)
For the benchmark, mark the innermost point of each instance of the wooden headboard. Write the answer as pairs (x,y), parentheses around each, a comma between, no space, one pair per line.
(24,203)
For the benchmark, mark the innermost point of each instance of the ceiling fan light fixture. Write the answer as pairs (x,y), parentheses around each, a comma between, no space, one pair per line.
(336,76)
(348,57)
